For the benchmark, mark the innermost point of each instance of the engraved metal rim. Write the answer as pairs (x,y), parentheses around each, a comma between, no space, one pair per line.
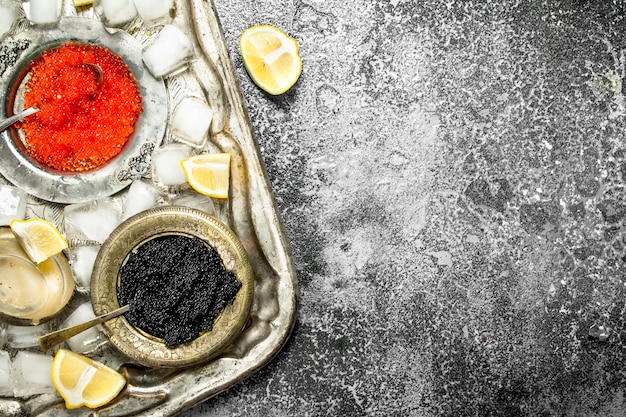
(150,351)
(62,187)
(57,267)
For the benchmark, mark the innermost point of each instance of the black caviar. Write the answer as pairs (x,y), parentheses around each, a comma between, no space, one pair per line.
(176,286)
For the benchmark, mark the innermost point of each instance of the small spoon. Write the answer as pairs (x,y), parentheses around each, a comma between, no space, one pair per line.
(10,120)
(97,70)
(53,339)
(98,75)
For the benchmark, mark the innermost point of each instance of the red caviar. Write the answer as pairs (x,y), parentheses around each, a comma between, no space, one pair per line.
(85,116)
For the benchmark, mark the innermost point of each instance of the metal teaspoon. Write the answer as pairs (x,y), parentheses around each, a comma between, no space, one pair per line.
(53,339)
(10,120)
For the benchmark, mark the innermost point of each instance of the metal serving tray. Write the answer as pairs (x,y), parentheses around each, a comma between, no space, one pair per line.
(250,212)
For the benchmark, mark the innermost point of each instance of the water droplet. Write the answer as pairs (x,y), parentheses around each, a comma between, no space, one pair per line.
(599,332)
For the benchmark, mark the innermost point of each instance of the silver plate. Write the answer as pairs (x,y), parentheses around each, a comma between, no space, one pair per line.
(250,212)
(74,187)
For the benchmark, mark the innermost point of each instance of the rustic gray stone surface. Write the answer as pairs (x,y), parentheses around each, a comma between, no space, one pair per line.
(451,179)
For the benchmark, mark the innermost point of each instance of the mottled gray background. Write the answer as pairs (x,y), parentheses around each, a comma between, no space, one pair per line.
(451,179)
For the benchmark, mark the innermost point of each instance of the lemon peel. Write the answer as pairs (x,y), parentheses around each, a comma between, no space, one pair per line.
(208,174)
(39,238)
(271,58)
(82,381)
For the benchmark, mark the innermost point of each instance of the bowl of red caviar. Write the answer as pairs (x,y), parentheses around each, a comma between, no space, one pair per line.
(187,279)
(100,112)
(88,103)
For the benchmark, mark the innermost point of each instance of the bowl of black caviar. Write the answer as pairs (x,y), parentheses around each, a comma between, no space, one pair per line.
(187,281)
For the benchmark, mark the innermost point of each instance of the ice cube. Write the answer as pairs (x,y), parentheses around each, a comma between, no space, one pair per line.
(82,259)
(88,340)
(191,121)
(93,220)
(32,374)
(153,10)
(44,12)
(600,332)
(9,14)
(116,12)
(6,384)
(3,335)
(20,337)
(141,196)
(194,200)
(12,204)
(169,50)
(166,168)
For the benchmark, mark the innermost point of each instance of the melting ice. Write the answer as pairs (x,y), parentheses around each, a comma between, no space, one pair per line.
(12,204)
(191,121)
(166,168)
(82,260)
(169,51)
(9,14)
(32,374)
(141,196)
(117,12)
(153,10)
(45,12)
(88,340)
(93,220)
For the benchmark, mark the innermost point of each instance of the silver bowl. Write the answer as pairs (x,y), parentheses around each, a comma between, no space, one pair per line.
(75,187)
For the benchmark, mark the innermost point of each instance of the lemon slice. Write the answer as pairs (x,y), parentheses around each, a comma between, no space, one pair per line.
(208,174)
(39,238)
(81,3)
(81,381)
(271,58)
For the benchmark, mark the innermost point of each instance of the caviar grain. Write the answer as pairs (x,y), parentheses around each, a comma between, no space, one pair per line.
(85,117)
(176,287)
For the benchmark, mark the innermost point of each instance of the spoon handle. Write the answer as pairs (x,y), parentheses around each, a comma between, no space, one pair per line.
(10,120)
(53,339)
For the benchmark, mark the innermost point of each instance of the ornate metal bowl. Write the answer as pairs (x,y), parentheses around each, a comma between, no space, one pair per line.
(74,187)
(141,347)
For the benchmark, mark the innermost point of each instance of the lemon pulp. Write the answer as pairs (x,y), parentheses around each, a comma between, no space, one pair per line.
(81,381)
(209,174)
(271,58)
(39,238)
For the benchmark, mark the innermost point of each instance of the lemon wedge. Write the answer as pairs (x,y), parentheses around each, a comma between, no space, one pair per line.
(208,174)
(39,238)
(81,3)
(271,58)
(81,381)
